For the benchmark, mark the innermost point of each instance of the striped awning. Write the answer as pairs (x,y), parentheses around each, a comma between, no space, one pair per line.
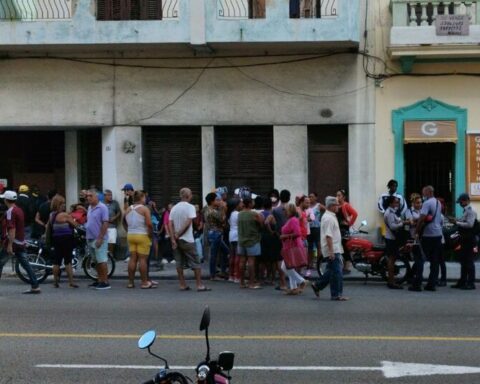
(421,131)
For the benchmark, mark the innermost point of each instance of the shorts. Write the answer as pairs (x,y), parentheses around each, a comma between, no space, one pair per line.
(112,235)
(314,239)
(186,255)
(63,249)
(100,255)
(138,243)
(254,250)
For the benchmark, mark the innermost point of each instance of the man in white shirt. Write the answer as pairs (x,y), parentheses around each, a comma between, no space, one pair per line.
(331,244)
(183,242)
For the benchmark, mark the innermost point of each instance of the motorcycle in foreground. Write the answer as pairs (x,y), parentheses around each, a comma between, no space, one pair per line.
(372,260)
(207,372)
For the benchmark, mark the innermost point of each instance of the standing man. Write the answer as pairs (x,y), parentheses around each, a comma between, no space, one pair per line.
(331,243)
(97,237)
(183,242)
(128,191)
(114,214)
(15,239)
(429,231)
(466,225)
(25,203)
(42,216)
(392,191)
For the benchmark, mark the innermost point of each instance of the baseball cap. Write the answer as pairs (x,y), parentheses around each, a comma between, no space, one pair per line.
(9,195)
(463,197)
(23,188)
(128,187)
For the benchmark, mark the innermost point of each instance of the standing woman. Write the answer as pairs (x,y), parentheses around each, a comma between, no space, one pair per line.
(393,225)
(138,224)
(234,207)
(346,216)
(292,238)
(60,231)
(412,214)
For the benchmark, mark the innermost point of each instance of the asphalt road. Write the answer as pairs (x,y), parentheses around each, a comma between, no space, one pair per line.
(264,328)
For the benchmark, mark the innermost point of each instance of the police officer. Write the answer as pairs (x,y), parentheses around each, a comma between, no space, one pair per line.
(467,225)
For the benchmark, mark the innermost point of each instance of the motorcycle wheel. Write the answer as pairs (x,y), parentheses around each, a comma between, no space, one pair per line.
(402,269)
(41,273)
(176,378)
(90,270)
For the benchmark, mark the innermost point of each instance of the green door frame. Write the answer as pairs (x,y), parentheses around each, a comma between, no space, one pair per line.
(427,110)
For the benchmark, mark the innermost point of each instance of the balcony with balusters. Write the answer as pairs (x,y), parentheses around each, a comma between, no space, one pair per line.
(114,24)
(434,30)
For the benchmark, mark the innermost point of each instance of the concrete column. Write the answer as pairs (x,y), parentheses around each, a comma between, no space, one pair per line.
(197,22)
(122,158)
(72,171)
(208,160)
(290,158)
(361,175)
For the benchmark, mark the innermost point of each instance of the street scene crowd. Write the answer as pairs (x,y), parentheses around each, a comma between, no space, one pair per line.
(249,240)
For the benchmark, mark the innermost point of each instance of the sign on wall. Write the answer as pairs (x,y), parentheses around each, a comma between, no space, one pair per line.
(421,131)
(473,166)
(452,25)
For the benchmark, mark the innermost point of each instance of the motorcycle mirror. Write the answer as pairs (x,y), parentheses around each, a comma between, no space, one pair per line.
(147,339)
(364,223)
(205,322)
(225,360)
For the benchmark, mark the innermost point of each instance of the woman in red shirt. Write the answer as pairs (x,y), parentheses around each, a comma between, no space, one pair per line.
(347,216)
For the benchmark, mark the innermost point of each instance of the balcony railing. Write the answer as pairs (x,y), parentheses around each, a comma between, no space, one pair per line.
(256,9)
(424,13)
(31,10)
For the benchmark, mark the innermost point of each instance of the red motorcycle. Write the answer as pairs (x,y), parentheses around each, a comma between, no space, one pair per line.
(371,259)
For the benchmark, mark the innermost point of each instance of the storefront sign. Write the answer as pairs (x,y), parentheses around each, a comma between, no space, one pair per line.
(452,25)
(473,166)
(430,132)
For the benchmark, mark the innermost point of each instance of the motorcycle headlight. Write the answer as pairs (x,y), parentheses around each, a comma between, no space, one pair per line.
(203,372)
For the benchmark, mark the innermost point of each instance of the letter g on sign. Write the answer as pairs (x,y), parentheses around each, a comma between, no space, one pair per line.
(429,129)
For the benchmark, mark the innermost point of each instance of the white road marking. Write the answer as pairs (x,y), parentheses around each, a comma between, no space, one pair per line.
(389,369)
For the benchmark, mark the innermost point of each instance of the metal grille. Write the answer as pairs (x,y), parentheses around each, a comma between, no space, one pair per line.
(431,164)
(170,9)
(172,160)
(35,9)
(129,9)
(233,9)
(244,157)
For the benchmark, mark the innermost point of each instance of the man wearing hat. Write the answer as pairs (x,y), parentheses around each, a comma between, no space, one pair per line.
(25,203)
(14,243)
(466,225)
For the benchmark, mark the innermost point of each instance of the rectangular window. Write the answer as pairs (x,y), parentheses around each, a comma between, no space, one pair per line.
(129,9)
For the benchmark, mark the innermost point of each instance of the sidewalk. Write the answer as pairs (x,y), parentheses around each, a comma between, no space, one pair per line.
(169,272)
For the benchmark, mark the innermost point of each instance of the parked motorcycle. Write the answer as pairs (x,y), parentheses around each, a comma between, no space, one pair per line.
(372,260)
(40,260)
(207,372)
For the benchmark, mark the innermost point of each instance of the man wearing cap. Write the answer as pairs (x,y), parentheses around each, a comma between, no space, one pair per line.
(25,203)
(331,243)
(466,225)
(15,239)
(128,191)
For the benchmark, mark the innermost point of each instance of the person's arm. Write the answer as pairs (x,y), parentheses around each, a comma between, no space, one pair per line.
(148,220)
(124,221)
(183,229)
(39,221)
(103,229)
(352,214)
(117,216)
(392,222)
(11,237)
(171,229)
(331,252)
(468,220)
(70,220)
(380,204)
(259,219)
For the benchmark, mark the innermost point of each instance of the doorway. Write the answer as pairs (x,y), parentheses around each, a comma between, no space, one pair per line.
(431,164)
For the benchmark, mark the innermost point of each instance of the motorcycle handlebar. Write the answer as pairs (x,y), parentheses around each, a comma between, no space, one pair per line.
(364,232)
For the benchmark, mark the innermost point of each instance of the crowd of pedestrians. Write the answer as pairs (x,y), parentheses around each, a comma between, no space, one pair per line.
(249,240)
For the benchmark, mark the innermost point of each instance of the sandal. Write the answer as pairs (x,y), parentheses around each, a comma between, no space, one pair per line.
(187,288)
(292,292)
(255,287)
(203,289)
(148,286)
(130,285)
(302,286)
(340,298)
(73,285)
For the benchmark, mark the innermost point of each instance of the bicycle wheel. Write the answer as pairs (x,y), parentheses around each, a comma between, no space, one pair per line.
(39,268)
(89,266)
(176,378)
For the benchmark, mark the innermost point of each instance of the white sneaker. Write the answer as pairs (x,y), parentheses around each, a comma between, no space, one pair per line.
(164,261)
(126,260)
(173,262)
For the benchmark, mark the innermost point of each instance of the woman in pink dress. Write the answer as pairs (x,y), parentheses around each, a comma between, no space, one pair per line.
(292,240)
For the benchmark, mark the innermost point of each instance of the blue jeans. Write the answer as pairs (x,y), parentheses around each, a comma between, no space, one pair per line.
(215,239)
(334,276)
(22,258)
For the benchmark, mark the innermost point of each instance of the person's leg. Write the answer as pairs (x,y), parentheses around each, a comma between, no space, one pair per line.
(179,261)
(462,258)
(22,258)
(435,248)
(214,239)
(469,266)
(224,251)
(143,267)
(242,262)
(419,261)
(4,256)
(251,271)
(56,275)
(324,280)
(336,277)
(132,266)
(285,271)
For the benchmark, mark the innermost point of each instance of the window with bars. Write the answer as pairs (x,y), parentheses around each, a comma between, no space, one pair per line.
(129,9)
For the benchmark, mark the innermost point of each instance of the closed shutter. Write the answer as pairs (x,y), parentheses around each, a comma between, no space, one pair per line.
(129,9)
(244,157)
(90,155)
(328,159)
(172,160)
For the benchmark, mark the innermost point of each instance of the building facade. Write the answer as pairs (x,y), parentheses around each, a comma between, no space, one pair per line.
(194,93)
(427,114)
